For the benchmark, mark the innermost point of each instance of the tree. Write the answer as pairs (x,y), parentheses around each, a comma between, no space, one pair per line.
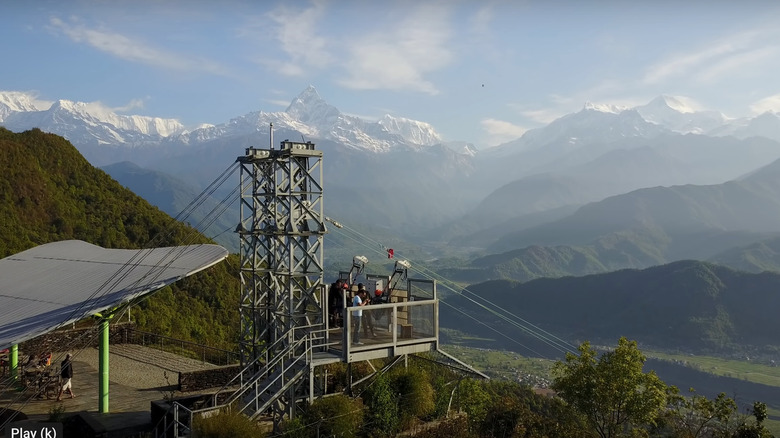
(757,430)
(611,391)
(382,407)
(697,416)
(474,401)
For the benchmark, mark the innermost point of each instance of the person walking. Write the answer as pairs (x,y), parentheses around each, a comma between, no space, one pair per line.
(66,373)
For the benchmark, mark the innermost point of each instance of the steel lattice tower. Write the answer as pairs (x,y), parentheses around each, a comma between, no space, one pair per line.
(281,233)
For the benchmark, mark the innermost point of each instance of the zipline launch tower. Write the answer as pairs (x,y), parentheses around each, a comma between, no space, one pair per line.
(287,339)
(281,236)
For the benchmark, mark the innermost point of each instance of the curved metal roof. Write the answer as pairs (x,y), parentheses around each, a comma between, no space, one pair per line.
(62,282)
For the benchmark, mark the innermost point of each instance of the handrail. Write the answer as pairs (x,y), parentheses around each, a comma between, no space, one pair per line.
(195,347)
(284,386)
(286,355)
(270,348)
(248,366)
(268,366)
(175,407)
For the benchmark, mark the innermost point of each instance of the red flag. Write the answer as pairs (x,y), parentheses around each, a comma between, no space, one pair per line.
(390,253)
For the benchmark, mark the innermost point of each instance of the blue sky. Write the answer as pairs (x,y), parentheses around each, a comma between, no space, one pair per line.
(478,71)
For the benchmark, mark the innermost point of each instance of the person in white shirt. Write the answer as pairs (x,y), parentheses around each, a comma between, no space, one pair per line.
(359,300)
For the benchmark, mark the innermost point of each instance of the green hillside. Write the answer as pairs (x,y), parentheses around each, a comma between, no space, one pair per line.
(725,223)
(174,196)
(50,193)
(758,257)
(707,216)
(687,305)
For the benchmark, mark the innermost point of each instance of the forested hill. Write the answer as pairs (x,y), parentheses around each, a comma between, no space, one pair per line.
(50,193)
(691,305)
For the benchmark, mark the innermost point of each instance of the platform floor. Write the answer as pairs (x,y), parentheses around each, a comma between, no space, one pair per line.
(138,376)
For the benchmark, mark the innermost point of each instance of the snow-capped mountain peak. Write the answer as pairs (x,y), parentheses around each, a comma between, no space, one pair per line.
(412,130)
(325,120)
(16,101)
(310,108)
(680,114)
(82,122)
(680,104)
(604,107)
(312,116)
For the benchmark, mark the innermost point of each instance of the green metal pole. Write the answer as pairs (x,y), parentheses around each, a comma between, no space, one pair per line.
(103,365)
(14,365)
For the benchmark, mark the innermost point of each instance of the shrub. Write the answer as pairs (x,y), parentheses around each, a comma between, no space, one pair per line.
(226,425)
(338,415)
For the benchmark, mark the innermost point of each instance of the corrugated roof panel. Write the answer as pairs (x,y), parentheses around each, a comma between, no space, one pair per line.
(61,282)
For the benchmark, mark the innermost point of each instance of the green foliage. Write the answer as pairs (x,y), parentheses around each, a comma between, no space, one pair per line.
(502,408)
(226,425)
(382,403)
(697,416)
(49,192)
(415,393)
(294,428)
(442,390)
(456,427)
(338,415)
(755,429)
(56,413)
(474,400)
(611,390)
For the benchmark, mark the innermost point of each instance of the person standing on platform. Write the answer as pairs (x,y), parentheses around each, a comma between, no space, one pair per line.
(66,372)
(368,322)
(335,300)
(359,300)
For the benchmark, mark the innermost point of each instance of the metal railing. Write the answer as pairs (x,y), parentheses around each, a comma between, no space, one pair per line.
(405,322)
(204,353)
(179,419)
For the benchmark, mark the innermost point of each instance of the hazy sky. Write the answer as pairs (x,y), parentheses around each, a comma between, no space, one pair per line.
(479,71)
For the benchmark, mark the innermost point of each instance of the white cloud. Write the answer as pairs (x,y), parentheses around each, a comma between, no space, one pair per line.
(738,63)
(682,64)
(500,131)
(128,49)
(278,102)
(480,22)
(399,57)
(717,60)
(296,31)
(771,103)
(545,115)
(133,104)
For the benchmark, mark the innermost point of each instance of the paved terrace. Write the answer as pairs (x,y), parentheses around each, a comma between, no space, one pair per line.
(138,376)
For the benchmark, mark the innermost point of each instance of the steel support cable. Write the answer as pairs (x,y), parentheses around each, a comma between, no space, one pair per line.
(206,193)
(492,311)
(477,320)
(534,331)
(132,264)
(460,291)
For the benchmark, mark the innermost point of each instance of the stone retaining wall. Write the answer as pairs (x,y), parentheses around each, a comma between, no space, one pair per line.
(71,340)
(206,379)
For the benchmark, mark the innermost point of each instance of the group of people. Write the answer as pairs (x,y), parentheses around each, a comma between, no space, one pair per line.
(360,299)
(66,371)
